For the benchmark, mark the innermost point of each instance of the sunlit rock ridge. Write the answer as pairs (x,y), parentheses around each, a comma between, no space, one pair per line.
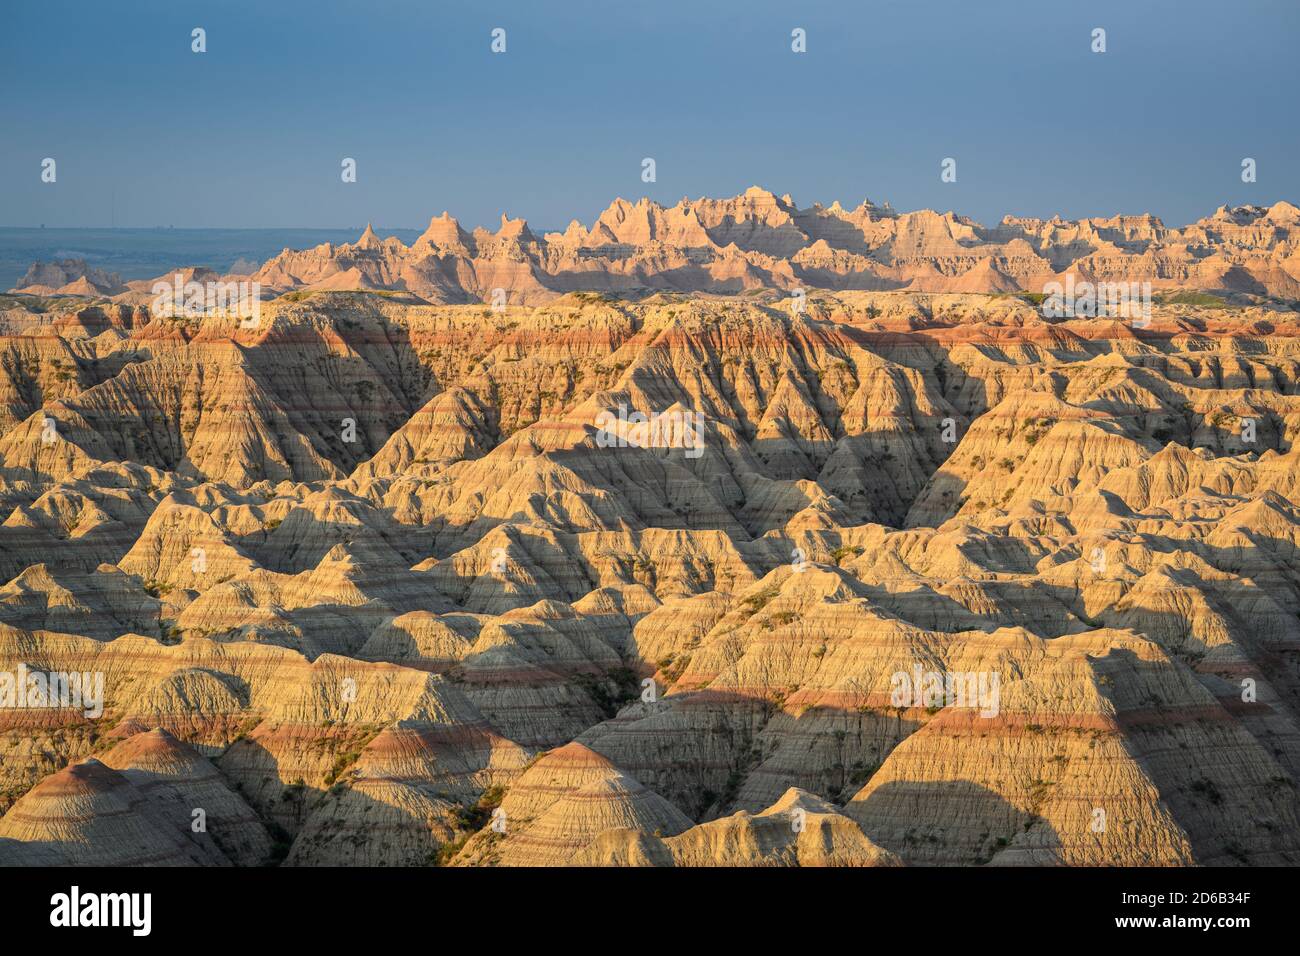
(758,240)
(386,577)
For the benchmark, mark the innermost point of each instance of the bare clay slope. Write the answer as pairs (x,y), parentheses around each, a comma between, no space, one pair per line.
(896,577)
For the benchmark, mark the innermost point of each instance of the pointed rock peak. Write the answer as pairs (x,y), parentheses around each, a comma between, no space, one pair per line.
(514,228)
(795,798)
(335,556)
(547,608)
(1239,215)
(443,230)
(574,754)
(158,737)
(1172,450)
(368,238)
(616,211)
(81,778)
(151,748)
(1283,211)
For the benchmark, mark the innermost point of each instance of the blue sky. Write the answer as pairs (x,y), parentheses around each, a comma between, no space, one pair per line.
(252,132)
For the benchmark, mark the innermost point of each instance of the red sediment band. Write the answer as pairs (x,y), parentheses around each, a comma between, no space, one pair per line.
(43,718)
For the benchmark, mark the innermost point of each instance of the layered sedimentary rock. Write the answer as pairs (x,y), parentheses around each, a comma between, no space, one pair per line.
(758,240)
(800,829)
(880,577)
(91,815)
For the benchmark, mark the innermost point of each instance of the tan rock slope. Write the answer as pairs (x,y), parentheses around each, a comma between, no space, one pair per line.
(800,829)
(900,576)
(758,240)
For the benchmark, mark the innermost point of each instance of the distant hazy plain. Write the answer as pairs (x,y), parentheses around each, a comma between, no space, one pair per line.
(145,253)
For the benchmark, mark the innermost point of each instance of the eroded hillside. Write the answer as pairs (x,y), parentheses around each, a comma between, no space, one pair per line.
(926,578)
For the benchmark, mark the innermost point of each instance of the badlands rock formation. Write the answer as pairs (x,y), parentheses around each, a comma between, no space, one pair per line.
(69,277)
(927,578)
(758,240)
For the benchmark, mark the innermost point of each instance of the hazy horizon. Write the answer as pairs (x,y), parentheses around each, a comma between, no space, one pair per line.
(540,228)
(252,132)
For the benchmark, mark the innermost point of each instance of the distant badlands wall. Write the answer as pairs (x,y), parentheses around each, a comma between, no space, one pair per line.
(761,241)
